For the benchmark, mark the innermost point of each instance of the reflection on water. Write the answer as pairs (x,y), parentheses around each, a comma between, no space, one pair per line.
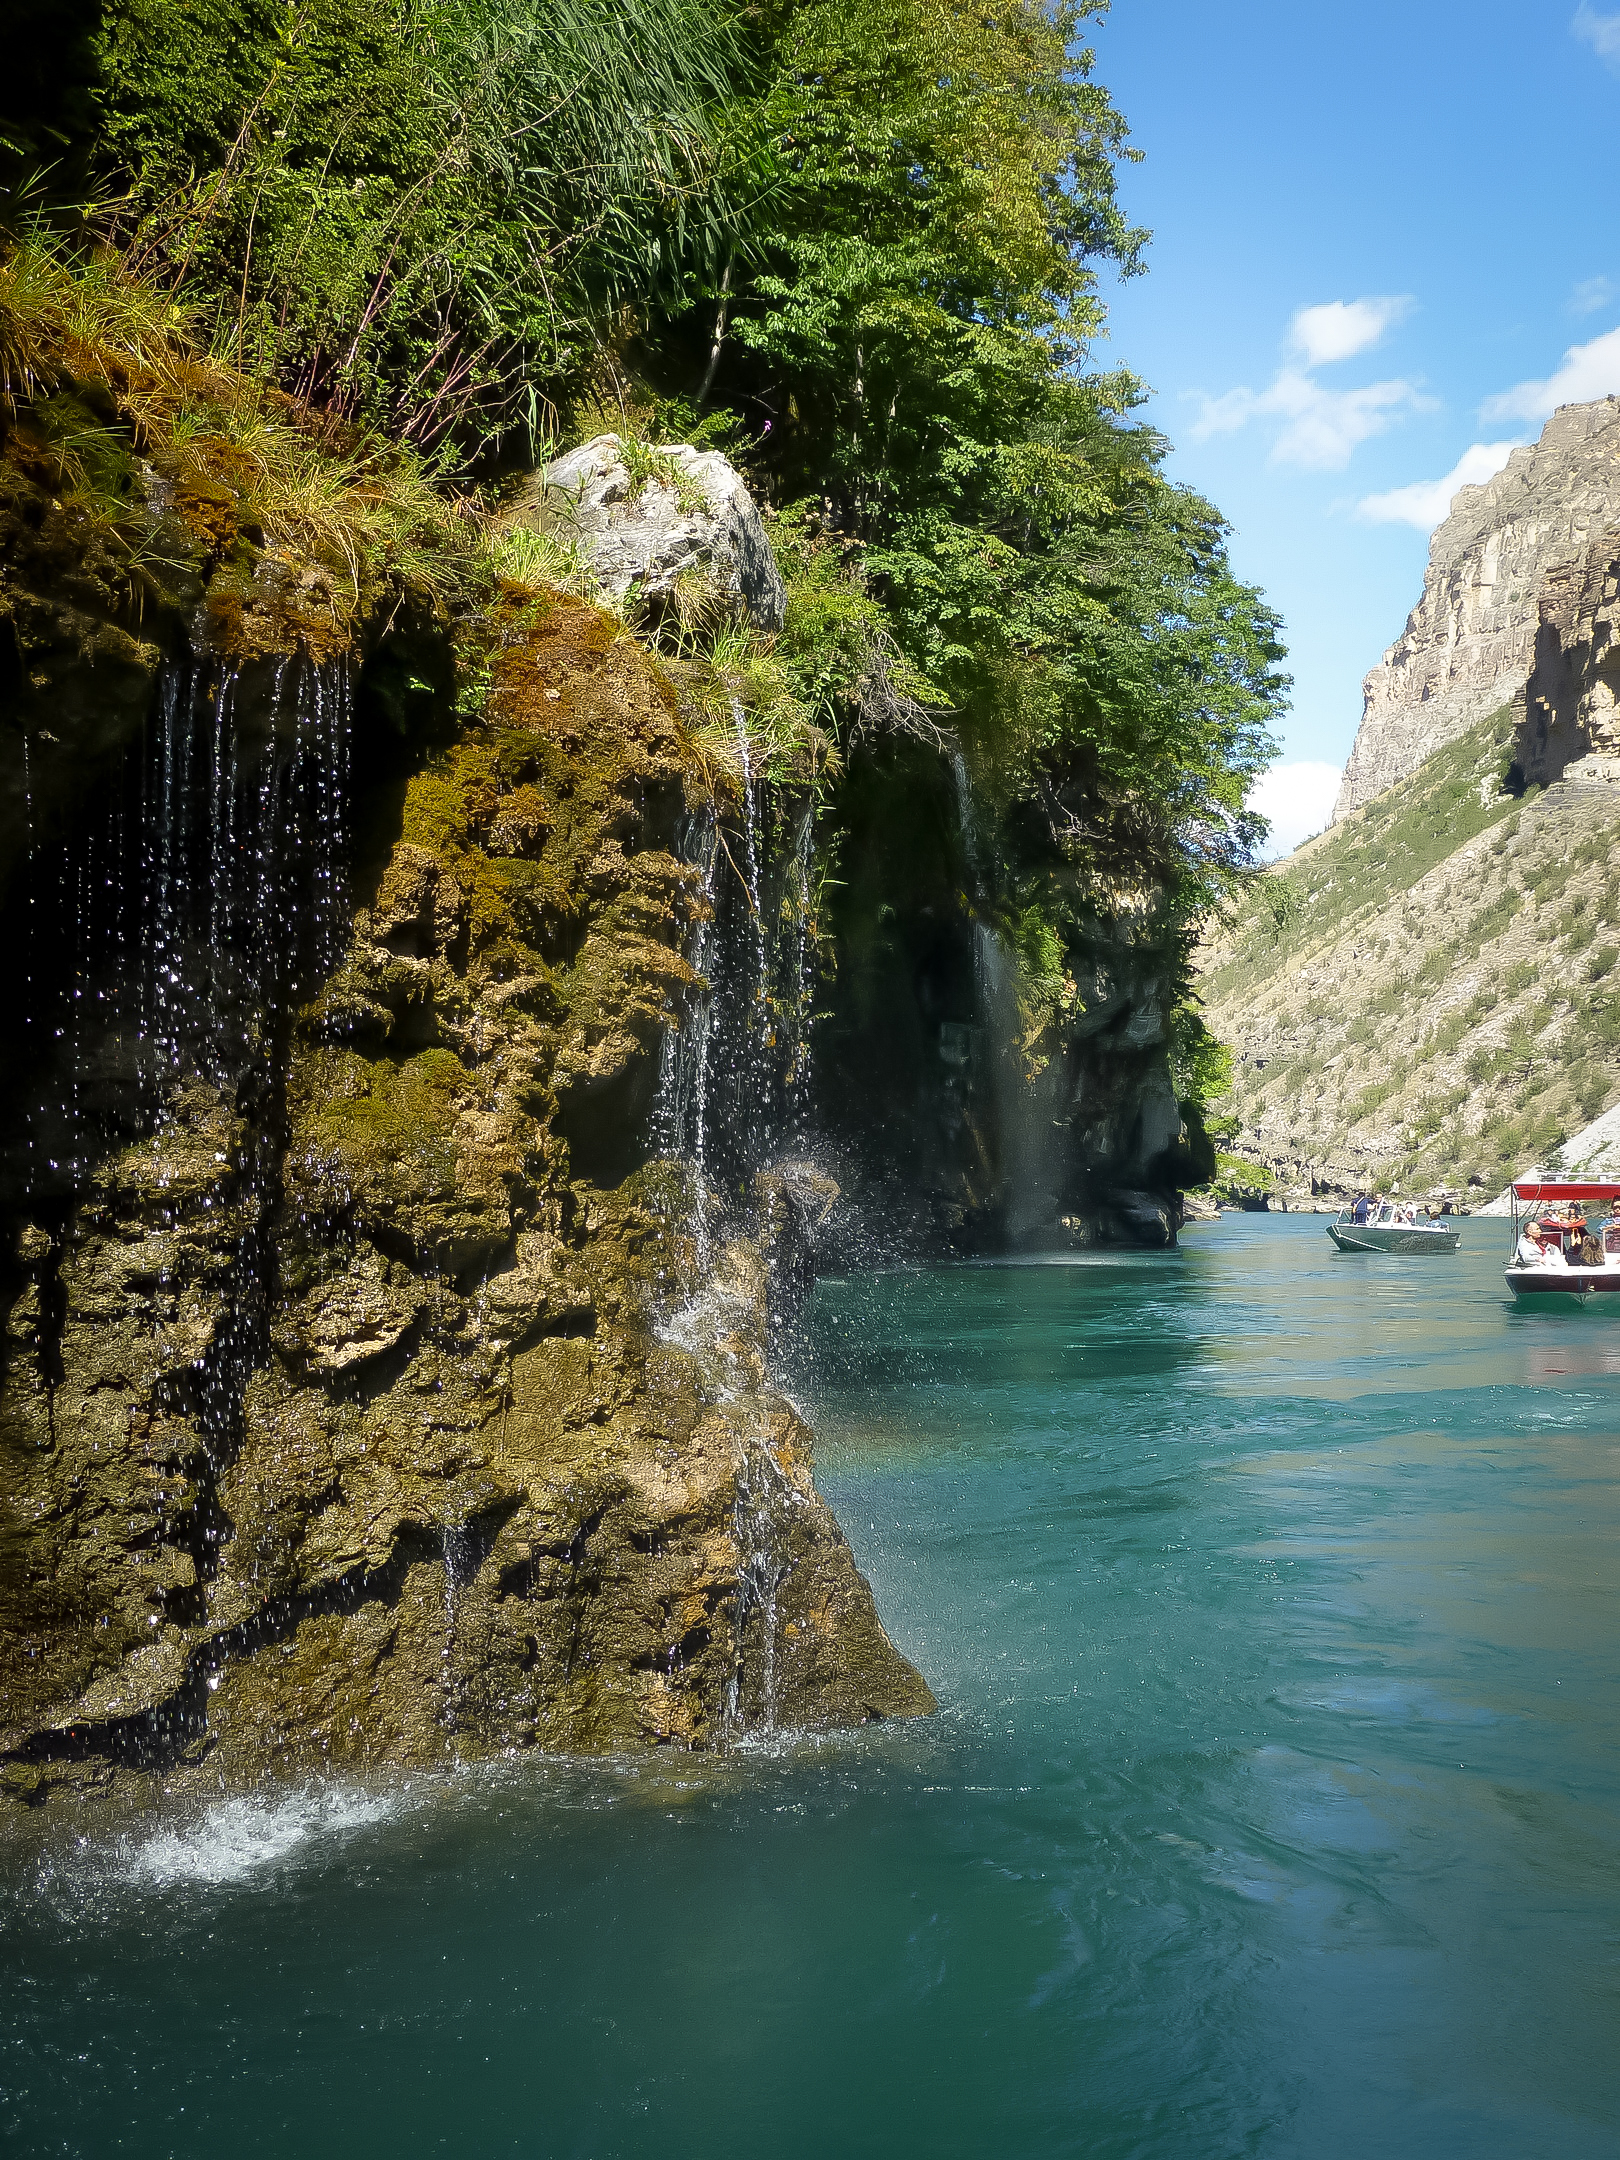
(1270,1599)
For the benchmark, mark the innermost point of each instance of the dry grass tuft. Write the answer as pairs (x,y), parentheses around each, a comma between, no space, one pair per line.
(238,457)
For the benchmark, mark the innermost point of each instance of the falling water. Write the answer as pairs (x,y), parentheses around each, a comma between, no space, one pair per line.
(460,1566)
(966,814)
(196,908)
(733,1099)
(191,914)
(733,1094)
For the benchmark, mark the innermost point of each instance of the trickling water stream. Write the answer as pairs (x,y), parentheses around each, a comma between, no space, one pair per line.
(183,921)
(732,1101)
(734,1083)
(185,917)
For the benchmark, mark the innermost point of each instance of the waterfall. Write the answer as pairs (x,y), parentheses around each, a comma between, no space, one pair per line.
(1027,1105)
(734,1099)
(966,813)
(187,915)
(197,903)
(734,1081)
(763,1496)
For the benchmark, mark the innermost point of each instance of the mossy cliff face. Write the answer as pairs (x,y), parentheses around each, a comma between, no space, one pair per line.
(983,1096)
(391,1417)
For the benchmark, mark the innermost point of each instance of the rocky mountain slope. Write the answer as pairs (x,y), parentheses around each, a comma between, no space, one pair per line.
(1471,641)
(1427,995)
(1570,723)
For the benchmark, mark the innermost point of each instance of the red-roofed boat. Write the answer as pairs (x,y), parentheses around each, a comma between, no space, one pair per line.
(1578,1256)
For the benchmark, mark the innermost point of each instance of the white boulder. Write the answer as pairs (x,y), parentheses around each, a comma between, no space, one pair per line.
(691,512)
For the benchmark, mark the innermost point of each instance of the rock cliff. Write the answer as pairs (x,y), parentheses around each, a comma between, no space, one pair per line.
(1469,644)
(974,1104)
(405,1175)
(1427,994)
(362,1408)
(1570,722)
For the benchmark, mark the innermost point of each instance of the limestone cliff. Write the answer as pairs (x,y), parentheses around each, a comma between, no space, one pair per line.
(359,1406)
(1570,721)
(1469,644)
(440,1024)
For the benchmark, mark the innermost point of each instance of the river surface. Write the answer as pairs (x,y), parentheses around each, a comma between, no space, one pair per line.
(1271,1602)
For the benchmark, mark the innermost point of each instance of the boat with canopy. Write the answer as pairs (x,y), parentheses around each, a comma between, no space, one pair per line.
(1558,1252)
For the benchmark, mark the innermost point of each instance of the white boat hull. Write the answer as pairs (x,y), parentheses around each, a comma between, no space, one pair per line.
(1575,1282)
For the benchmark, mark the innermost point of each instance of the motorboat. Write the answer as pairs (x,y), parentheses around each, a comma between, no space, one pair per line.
(1388,1230)
(1566,1266)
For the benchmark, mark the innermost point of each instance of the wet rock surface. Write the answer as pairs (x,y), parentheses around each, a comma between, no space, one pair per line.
(384,1417)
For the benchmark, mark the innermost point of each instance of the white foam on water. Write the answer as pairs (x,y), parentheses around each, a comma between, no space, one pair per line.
(236,1839)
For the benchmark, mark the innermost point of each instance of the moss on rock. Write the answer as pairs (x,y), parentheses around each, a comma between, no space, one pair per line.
(471,1494)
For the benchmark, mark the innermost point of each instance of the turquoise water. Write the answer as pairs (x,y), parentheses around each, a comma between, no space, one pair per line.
(1270,1598)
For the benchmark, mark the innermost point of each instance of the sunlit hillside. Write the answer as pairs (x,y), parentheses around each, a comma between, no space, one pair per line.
(1426,994)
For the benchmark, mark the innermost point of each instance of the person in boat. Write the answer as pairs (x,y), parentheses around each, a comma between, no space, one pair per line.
(1362,1208)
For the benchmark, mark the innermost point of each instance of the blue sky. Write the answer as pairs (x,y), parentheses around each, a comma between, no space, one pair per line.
(1372,226)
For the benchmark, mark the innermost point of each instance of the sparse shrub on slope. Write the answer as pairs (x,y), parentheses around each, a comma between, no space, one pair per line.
(1438,1008)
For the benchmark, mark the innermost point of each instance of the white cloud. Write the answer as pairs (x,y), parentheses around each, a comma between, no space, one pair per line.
(1340,329)
(1589,371)
(1601,32)
(1424,503)
(1591,294)
(1321,427)
(1298,799)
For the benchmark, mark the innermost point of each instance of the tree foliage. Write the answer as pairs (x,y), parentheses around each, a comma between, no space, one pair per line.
(860,238)
(910,322)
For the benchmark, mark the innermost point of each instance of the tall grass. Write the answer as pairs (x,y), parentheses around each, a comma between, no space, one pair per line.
(336,497)
(420,213)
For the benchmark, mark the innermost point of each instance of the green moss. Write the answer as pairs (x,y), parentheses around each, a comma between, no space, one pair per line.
(383,1114)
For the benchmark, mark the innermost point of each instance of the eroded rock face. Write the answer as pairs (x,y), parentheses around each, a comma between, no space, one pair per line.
(391,1421)
(651,519)
(1571,723)
(1471,641)
(967,1118)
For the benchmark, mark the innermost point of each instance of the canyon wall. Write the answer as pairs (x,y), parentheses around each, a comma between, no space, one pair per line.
(1570,723)
(1469,644)
(375,1399)
(1464,905)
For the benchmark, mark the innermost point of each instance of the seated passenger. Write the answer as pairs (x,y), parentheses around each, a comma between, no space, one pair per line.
(1527,1253)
